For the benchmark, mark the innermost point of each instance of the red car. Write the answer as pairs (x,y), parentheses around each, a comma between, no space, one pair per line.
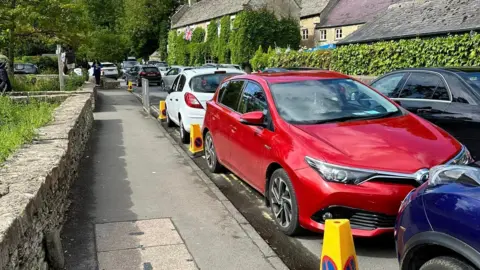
(321,145)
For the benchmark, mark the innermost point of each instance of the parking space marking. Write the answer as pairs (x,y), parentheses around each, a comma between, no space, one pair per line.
(226,178)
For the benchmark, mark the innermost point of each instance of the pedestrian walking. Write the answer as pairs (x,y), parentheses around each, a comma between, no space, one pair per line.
(97,71)
(5,85)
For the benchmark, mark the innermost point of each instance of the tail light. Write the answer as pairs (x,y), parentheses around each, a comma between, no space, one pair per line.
(192,101)
(143,73)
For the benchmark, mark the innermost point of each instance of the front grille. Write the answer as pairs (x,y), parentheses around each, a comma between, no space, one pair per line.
(359,219)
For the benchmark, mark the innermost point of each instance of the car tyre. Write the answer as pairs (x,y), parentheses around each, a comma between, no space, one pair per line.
(169,121)
(283,203)
(162,85)
(139,82)
(184,135)
(211,154)
(446,263)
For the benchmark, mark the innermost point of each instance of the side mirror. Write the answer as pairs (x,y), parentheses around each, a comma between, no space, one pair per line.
(253,119)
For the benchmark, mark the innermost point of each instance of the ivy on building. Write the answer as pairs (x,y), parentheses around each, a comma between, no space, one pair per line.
(235,43)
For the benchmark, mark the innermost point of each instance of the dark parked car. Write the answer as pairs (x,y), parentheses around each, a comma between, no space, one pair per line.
(25,69)
(138,72)
(447,97)
(438,224)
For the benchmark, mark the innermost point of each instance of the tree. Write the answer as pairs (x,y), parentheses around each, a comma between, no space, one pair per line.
(144,21)
(54,21)
(222,51)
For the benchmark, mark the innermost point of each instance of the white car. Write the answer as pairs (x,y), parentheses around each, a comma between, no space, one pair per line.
(188,96)
(110,70)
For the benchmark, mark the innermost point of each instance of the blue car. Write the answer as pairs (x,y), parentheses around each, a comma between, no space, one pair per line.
(438,225)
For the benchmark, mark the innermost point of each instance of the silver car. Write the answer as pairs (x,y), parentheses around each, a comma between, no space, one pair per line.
(169,77)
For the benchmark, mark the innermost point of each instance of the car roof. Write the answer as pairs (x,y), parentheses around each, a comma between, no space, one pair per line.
(293,76)
(441,69)
(203,71)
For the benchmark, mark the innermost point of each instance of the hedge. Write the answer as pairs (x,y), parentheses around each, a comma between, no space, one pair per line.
(381,57)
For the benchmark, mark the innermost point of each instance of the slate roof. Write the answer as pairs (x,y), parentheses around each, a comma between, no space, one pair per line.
(312,7)
(206,10)
(420,18)
(349,12)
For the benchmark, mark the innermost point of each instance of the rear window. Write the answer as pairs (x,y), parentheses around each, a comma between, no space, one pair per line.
(150,69)
(108,65)
(208,83)
(129,64)
(473,79)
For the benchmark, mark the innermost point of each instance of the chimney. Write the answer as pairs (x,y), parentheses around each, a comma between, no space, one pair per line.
(191,2)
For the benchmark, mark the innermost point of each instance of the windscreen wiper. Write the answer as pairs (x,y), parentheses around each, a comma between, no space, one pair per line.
(356,117)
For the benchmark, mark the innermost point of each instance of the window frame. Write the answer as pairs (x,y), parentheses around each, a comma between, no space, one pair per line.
(181,76)
(243,91)
(400,83)
(323,31)
(442,78)
(305,34)
(337,30)
(219,99)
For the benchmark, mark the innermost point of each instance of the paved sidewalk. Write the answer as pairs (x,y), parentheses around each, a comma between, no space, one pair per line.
(141,203)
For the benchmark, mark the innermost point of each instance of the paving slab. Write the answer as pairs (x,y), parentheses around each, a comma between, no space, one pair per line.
(134,234)
(171,257)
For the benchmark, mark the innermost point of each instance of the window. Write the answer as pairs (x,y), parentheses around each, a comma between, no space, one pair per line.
(208,83)
(253,99)
(323,34)
(150,69)
(181,83)
(173,71)
(473,79)
(175,83)
(421,85)
(304,34)
(325,101)
(208,59)
(389,85)
(219,28)
(231,95)
(338,33)
(232,19)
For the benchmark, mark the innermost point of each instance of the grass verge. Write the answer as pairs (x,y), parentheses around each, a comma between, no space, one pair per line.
(18,123)
(32,83)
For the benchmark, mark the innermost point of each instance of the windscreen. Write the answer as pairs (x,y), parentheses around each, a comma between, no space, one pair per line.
(208,83)
(332,100)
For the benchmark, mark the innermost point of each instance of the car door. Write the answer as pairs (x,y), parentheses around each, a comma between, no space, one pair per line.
(250,142)
(462,116)
(177,98)
(172,103)
(226,118)
(425,94)
(170,77)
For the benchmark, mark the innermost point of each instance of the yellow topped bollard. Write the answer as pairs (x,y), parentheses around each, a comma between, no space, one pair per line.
(130,86)
(162,111)
(196,140)
(338,252)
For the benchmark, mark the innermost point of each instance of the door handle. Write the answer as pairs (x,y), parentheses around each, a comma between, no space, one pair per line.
(426,109)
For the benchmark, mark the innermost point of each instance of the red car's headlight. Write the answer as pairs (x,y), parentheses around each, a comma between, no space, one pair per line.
(339,174)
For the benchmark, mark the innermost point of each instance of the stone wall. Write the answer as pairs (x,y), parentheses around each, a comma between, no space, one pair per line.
(34,184)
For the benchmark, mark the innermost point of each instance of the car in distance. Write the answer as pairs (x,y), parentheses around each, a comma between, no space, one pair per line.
(438,224)
(447,97)
(171,75)
(127,65)
(109,70)
(186,100)
(316,154)
(139,72)
(25,68)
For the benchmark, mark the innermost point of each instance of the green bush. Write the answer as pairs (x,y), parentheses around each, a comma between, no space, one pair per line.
(222,51)
(198,35)
(18,123)
(381,57)
(32,83)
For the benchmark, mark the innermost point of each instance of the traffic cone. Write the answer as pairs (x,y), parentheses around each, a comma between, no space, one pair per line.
(162,111)
(338,250)
(130,86)
(196,140)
